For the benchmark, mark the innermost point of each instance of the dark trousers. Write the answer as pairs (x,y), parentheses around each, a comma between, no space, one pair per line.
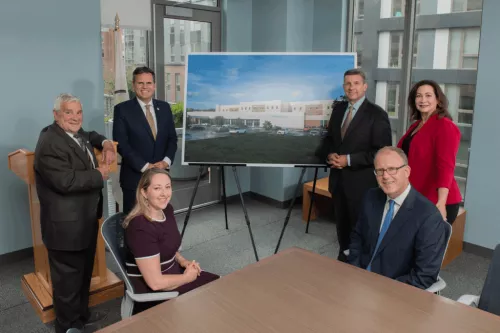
(346,216)
(128,200)
(452,213)
(71,273)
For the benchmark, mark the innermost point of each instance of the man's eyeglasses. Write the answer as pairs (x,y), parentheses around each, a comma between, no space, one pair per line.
(390,171)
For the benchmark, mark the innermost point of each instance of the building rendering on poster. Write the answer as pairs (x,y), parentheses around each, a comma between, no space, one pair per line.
(260,109)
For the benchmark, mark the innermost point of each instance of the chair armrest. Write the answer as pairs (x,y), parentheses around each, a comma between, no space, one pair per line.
(151,297)
(437,286)
(471,300)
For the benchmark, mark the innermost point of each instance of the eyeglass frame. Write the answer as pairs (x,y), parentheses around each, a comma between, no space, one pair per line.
(394,170)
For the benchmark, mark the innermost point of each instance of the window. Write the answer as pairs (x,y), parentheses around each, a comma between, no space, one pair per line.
(209,3)
(392,99)
(398,8)
(177,87)
(463,49)
(182,38)
(135,45)
(415,50)
(358,48)
(172,53)
(167,80)
(359,9)
(395,51)
(441,54)
(466,5)
(461,103)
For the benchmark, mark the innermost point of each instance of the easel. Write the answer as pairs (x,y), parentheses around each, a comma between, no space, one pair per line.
(297,189)
(247,219)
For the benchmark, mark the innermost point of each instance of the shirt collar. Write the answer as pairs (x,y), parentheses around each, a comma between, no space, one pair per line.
(356,105)
(143,105)
(401,198)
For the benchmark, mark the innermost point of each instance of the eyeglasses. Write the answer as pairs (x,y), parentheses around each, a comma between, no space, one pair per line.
(390,171)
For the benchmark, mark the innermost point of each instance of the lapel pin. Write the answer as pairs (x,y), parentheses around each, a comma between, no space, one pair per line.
(157,109)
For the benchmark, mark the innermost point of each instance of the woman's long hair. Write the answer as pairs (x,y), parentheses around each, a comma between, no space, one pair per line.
(141,204)
(442,101)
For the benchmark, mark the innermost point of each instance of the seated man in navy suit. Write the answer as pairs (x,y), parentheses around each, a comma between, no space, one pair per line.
(145,131)
(400,234)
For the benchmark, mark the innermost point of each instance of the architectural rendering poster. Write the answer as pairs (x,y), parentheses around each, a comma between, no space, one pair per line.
(260,109)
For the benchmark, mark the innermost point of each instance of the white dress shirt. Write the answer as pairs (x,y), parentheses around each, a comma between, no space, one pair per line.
(153,113)
(398,201)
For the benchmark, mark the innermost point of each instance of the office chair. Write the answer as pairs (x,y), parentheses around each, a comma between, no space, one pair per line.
(113,235)
(489,300)
(440,284)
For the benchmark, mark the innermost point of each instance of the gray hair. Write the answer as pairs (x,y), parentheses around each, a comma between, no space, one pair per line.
(396,150)
(65,98)
(356,71)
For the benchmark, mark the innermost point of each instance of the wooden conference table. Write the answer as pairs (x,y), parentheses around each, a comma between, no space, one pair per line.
(300,291)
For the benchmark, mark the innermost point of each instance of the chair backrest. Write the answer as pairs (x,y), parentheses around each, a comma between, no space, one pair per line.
(114,236)
(490,295)
(448,232)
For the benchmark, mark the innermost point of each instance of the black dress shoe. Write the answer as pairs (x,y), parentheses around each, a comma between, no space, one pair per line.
(342,257)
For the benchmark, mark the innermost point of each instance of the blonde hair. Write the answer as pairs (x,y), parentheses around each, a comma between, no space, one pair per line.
(141,204)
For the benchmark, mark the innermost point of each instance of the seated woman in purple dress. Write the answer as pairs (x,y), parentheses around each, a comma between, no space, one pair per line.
(153,260)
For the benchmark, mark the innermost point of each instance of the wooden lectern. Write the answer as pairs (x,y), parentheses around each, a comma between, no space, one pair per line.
(37,286)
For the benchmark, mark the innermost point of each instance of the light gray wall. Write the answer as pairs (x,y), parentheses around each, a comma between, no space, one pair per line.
(47,47)
(483,181)
(329,25)
(269,25)
(299,25)
(237,22)
(267,182)
(279,26)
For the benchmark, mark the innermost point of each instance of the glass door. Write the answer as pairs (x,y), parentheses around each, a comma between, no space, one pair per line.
(179,29)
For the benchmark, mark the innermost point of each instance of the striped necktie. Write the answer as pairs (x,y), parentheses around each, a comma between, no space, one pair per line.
(347,122)
(82,145)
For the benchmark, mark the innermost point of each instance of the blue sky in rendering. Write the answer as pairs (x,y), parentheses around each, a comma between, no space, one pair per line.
(234,78)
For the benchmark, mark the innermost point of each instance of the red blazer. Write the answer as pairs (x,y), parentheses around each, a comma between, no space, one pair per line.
(432,156)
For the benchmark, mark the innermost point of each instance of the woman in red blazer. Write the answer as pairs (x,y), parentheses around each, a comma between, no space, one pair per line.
(431,144)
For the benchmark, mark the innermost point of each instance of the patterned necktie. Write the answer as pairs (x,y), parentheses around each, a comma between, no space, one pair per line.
(385,226)
(151,122)
(347,122)
(82,145)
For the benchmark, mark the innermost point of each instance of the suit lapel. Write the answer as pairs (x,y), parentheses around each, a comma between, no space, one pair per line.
(141,117)
(404,213)
(356,119)
(159,118)
(377,212)
(76,148)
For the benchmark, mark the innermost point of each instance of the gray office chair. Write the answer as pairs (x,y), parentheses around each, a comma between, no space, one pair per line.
(490,295)
(113,235)
(440,284)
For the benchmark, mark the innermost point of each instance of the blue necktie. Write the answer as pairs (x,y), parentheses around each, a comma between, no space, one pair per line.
(385,227)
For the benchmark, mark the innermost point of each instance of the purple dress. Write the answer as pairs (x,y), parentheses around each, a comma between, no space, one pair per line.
(146,238)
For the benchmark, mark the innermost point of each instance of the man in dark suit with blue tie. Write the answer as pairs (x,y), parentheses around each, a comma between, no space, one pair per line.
(399,234)
(145,131)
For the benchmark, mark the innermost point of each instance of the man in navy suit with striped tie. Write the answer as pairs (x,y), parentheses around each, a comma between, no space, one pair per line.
(400,234)
(145,131)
